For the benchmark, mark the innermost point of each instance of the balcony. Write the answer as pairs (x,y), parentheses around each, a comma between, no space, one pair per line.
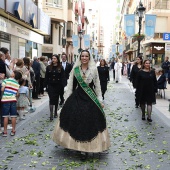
(71,15)
(56,9)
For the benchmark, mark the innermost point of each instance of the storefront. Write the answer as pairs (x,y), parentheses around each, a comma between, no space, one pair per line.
(22,26)
(20,41)
(158,53)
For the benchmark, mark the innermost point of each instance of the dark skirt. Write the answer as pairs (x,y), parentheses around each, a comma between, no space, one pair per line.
(81,117)
(103,85)
(53,93)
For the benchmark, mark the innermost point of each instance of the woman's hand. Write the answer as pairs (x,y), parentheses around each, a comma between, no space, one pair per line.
(2,75)
(27,72)
(102,105)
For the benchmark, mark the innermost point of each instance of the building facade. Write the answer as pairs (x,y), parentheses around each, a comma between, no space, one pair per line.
(22,27)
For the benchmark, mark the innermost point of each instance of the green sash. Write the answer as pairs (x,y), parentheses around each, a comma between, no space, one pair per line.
(87,89)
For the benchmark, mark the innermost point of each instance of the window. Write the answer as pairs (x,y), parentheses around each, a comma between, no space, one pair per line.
(48,38)
(54,3)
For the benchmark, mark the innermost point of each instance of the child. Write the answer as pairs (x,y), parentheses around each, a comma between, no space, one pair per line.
(10,89)
(22,102)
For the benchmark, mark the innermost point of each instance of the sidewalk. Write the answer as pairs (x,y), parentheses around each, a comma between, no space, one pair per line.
(38,105)
(163,104)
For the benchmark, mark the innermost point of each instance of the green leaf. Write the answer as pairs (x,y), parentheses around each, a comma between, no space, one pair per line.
(53,168)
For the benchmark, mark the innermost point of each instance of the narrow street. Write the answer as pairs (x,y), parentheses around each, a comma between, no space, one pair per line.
(135,144)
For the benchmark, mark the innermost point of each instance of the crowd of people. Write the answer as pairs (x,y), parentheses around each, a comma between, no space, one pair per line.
(19,78)
(146,81)
(80,88)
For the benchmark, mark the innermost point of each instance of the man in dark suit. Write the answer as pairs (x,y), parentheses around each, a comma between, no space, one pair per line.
(36,83)
(128,69)
(67,69)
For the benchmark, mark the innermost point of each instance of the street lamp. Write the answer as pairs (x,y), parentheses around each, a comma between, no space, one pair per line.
(140,12)
(117,51)
(80,34)
(93,52)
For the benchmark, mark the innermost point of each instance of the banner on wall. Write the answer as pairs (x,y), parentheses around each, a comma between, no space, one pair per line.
(75,40)
(150,22)
(129,23)
(114,50)
(86,41)
(120,49)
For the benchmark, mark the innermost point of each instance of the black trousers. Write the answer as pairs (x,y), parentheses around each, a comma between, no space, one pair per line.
(41,91)
(113,74)
(62,95)
(36,87)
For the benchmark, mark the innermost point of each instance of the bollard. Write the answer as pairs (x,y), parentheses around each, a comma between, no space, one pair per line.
(169,104)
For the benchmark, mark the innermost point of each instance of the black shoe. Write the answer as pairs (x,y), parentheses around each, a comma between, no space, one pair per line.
(51,119)
(84,156)
(143,118)
(136,106)
(55,116)
(149,119)
(116,81)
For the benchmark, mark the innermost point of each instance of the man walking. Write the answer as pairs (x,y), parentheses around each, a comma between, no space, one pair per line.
(112,67)
(67,69)
(36,84)
(165,67)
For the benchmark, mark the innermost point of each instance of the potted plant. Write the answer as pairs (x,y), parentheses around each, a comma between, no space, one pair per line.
(117,53)
(138,37)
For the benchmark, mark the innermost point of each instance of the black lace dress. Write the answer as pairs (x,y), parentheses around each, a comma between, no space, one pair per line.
(80,116)
(82,125)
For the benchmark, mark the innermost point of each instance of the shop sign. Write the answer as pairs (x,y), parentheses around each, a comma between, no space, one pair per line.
(10,4)
(44,22)
(31,14)
(167,47)
(158,48)
(46,49)
(19,31)
(166,36)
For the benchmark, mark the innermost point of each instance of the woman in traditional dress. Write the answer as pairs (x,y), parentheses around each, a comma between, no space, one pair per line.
(118,68)
(103,71)
(146,84)
(54,79)
(82,122)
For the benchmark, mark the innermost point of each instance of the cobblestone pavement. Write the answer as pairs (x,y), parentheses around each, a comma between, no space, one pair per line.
(135,144)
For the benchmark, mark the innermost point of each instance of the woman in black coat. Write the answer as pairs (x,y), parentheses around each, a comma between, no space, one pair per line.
(103,71)
(133,75)
(146,84)
(54,82)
